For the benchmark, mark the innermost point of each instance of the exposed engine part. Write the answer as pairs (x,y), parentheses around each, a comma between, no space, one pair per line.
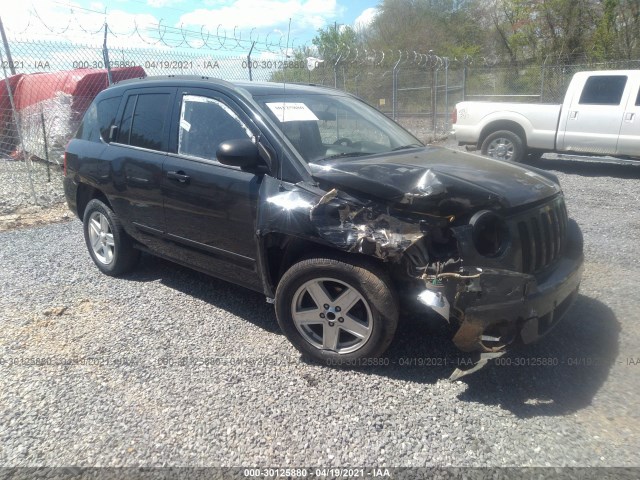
(457,276)
(437,301)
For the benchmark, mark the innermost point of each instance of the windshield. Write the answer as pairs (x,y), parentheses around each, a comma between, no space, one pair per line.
(324,126)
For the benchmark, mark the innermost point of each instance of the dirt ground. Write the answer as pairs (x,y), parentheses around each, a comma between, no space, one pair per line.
(31,216)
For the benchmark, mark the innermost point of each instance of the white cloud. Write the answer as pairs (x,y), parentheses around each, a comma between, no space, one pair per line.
(265,21)
(73,23)
(163,3)
(365,18)
(247,14)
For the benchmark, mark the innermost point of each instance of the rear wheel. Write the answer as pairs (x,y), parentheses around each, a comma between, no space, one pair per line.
(335,311)
(504,145)
(110,247)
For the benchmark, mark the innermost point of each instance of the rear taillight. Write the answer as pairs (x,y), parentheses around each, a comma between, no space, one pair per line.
(454,116)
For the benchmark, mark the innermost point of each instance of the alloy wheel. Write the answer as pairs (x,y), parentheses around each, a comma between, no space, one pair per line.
(332,315)
(101,238)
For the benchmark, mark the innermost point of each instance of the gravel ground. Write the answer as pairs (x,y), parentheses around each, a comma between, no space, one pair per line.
(27,185)
(167,367)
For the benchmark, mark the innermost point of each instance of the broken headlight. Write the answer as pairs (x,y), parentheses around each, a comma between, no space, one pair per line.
(490,233)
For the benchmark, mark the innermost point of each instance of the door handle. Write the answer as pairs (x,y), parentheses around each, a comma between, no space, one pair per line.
(179,176)
(573,115)
(628,117)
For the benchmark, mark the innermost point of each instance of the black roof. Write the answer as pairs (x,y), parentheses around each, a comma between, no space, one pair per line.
(254,88)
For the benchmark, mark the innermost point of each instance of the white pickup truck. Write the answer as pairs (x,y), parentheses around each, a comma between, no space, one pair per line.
(599,116)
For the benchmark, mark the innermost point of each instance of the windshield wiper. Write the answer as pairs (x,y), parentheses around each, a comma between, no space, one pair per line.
(344,154)
(404,147)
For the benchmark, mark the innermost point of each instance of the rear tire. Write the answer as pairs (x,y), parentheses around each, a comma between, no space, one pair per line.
(337,312)
(110,247)
(504,145)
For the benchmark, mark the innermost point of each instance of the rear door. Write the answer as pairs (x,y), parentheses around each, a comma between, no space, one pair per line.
(210,208)
(629,141)
(595,115)
(137,155)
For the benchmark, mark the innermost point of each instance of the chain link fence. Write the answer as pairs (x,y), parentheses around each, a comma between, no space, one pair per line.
(48,85)
(539,83)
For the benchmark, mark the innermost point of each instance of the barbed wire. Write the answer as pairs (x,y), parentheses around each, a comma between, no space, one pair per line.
(159,34)
(403,58)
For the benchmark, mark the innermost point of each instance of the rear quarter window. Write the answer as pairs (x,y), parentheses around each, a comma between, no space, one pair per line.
(107,110)
(98,119)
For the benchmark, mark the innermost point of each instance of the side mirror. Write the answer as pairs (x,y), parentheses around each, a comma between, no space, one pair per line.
(241,153)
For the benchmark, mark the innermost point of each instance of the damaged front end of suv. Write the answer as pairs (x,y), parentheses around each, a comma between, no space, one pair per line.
(337,214)
(485,245)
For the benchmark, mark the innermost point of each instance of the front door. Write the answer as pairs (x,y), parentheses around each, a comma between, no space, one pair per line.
(593,119)
(210,208)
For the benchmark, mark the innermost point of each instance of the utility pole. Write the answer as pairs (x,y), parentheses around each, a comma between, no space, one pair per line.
(6,49)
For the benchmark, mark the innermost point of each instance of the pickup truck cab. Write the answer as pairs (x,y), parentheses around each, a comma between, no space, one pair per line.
(599,116)
(334,212)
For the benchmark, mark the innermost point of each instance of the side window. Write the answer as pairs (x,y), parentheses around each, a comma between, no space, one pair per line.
(88,129)
(98,120)
(603,90)
(147,126)
(107,110)
(143,121)
(125,125)
(204,124)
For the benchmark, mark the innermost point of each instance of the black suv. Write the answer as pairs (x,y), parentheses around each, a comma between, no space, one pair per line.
(333,211)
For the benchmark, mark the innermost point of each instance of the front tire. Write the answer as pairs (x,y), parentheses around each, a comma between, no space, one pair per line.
(110,247)
(504,145)
(336,312)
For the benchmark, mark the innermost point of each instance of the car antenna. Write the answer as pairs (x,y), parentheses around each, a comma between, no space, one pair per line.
(284,96)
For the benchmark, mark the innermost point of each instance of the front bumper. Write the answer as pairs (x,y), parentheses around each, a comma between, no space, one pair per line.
(514,308)
(501,307)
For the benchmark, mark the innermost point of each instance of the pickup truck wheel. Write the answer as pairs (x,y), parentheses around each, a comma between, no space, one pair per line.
(503,145)
(333,311)
(110,247)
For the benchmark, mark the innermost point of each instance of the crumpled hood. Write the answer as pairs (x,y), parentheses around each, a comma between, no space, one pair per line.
(445,182)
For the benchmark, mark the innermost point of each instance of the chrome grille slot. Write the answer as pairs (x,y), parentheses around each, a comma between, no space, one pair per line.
(528,257)
(548,238)
(540,247)
(542,233)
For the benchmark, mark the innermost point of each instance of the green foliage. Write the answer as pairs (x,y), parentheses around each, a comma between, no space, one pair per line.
(334,41)
(604,35)
(517,32)
(293,75)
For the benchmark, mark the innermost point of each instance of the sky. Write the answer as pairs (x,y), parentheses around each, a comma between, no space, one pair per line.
(265,21)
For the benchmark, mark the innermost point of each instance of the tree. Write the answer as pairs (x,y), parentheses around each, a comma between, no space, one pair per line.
(604,37)
(627,26)
(334,43)
(445,26)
